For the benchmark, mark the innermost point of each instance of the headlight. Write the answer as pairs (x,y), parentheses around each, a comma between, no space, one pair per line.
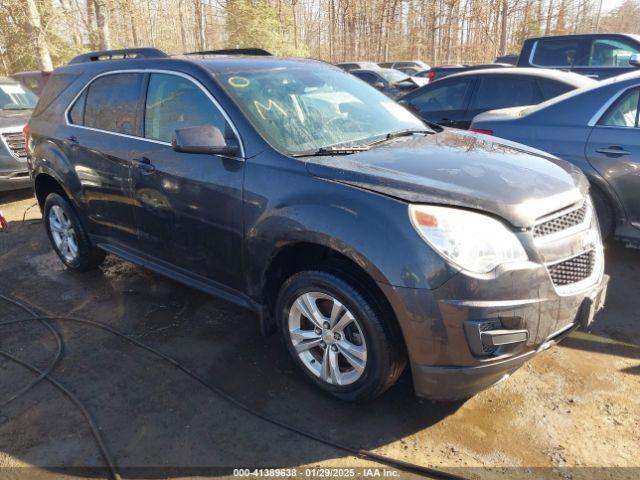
(474,242)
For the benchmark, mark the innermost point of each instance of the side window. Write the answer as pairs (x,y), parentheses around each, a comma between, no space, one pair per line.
(624,113)
(174,102)
(610,53)
(446,97)
(370,78)
(551,88)
(504,92)
(556,53)
(112,103)
(76,114)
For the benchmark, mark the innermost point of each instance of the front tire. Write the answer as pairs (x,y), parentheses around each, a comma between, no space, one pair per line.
(338,337)
(67,235)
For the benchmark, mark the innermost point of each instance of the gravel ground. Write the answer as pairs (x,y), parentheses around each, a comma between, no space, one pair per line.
(572,412)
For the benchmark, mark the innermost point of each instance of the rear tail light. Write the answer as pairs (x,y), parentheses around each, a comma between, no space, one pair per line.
(26,135)
(480,130)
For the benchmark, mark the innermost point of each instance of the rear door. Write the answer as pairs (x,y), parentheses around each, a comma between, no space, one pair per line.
(443,102)
(613,149)
(103,125)
(188,206)
(503,91)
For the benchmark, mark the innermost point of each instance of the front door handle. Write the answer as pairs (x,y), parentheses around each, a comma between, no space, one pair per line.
(71,139)
(144,164)
(613,151)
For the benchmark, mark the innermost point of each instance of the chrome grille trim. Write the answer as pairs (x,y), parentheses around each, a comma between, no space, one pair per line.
(563,223)
(14,142)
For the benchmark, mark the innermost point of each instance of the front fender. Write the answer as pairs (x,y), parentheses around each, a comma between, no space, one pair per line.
(372,230)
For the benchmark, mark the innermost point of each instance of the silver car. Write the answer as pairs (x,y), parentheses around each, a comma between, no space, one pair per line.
(16,105)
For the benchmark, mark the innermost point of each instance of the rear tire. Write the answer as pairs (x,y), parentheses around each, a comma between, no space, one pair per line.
(348,349)
(67,235)
(604,211)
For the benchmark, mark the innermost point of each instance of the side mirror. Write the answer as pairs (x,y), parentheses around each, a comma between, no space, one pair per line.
(634,60)
(379,85)
(202,139)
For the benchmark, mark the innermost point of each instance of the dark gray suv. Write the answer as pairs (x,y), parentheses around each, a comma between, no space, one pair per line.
(364,237)
(16,104)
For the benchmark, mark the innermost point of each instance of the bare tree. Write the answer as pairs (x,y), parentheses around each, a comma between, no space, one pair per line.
(37,36)
(102,21)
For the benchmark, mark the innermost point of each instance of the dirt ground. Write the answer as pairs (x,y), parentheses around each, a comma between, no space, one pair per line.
(571,412)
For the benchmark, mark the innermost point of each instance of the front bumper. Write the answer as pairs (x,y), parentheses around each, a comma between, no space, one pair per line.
(475,330)
(442,363)
(14,180)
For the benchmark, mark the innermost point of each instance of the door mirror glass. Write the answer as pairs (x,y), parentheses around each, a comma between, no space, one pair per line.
(634,60)
(202,139)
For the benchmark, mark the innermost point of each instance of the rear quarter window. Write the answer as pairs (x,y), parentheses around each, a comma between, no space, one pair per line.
(57,83)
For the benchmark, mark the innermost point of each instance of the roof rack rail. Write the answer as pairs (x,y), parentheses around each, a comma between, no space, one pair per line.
(234,51)
(119,55)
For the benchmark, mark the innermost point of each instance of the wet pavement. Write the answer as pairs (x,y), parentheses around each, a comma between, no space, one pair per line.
(573,407)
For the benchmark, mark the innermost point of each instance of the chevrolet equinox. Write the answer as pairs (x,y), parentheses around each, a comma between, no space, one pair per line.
(365,237)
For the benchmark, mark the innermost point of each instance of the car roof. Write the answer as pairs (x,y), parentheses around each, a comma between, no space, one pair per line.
(214,63)
(8,80)
(587,35)
(551,74)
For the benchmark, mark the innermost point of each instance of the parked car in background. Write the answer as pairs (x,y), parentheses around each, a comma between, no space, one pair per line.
(364,238)
(596,129)
(348,66)
(436,73)
(34,81)
(456,99)
(401,64)
(16,105)
(413,71)
(511,59)
(596,55)
(391,82)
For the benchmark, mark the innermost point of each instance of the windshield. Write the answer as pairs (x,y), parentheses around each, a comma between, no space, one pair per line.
(15,97)
(301,110)
(393,76)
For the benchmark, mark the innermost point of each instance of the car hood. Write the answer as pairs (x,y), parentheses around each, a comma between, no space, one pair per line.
(14,118)
(462,169)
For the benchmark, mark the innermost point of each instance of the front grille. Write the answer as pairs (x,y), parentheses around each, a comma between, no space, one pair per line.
(562,222)
(574,269)
(15,142)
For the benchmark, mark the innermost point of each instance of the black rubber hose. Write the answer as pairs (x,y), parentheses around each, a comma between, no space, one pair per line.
(52,365)
(361,453)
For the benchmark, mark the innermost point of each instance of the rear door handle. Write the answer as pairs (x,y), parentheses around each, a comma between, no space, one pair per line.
(144,164)
(613,151)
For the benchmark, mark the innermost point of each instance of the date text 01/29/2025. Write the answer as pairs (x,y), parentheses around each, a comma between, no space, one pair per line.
(317,472)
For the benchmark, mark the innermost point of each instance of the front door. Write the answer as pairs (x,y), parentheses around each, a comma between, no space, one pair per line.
(188,206)
(614,151)
(103,123)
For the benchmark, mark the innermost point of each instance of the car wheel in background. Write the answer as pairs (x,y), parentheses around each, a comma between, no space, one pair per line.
(68,237)
(338,338)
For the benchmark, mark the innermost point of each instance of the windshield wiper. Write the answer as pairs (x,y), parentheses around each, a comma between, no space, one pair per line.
(334,150)
(16,108)
(399,133)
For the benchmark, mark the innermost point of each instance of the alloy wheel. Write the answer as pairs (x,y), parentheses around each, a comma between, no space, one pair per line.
(63,233)
(327,338)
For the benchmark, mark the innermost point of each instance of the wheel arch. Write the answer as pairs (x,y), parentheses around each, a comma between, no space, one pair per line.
(299,256)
